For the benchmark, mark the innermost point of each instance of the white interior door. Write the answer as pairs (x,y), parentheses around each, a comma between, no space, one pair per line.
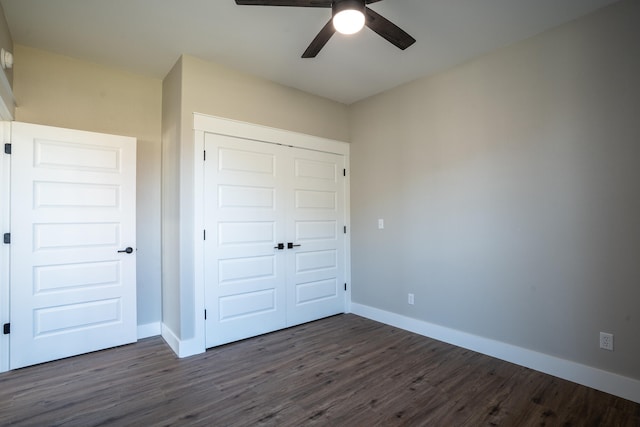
(72,284)
(316,217)
(259,196)
(244,220)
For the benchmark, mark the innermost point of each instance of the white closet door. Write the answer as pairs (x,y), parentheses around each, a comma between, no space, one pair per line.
(257,196)
(316,217)
(72,209)
(244,220)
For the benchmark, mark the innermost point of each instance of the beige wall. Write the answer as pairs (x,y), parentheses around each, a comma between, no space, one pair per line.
(59,91)
(510,189)
(212,89)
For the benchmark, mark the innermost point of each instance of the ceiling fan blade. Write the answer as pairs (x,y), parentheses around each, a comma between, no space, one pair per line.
(321,39)
(294,3)
(388,30)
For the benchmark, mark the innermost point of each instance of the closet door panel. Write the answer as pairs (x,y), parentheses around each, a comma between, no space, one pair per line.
(316,263)
(244,221)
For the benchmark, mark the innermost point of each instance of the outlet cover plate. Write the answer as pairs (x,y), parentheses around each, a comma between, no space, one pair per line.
(606,341)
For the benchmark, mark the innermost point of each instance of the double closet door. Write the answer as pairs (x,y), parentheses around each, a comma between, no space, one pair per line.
(274,237)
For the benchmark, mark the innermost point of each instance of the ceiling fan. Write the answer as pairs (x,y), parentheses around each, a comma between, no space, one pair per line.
(347,17)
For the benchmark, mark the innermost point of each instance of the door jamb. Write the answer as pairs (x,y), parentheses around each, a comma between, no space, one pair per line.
(5,227)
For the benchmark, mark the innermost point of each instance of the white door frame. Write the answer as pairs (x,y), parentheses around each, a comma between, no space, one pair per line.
(209,124)
(5,226)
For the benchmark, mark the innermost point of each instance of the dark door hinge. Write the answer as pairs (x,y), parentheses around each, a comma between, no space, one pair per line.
(7,148)
(345,229)
(204,234)
(6,328)
(205,155)
(7,238)
(205,315)
(345,286)
(344,172)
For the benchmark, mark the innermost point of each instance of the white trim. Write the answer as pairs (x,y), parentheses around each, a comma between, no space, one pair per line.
(200,341)
(182,348)
(618,385)
(191,347)
(222,126)
(170,338)
(149,330)
(5,227)
(347,242)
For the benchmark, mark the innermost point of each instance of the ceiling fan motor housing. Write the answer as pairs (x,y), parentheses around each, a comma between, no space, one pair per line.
(339,5)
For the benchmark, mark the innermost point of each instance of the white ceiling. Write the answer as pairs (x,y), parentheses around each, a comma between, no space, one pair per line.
(148,36)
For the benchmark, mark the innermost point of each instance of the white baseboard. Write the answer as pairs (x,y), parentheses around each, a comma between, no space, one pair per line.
(170,338)
(182,348)
(149,330)
(618,385)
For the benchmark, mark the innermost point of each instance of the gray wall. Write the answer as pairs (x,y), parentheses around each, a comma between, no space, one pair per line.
(510,189)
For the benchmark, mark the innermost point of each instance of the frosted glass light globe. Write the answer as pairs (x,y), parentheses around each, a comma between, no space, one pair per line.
(348,21)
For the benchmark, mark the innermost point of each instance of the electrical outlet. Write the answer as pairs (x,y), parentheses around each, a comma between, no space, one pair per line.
(606,341)
(410,299)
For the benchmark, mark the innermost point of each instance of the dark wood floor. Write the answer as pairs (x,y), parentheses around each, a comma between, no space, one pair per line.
(340,371)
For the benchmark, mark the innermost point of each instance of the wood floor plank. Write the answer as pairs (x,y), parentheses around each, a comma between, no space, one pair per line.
(339,371)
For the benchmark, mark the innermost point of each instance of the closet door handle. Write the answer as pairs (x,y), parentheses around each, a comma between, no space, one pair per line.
(279,247)
(128,250)
(290,245)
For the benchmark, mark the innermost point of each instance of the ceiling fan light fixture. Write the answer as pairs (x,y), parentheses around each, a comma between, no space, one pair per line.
(348,16)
